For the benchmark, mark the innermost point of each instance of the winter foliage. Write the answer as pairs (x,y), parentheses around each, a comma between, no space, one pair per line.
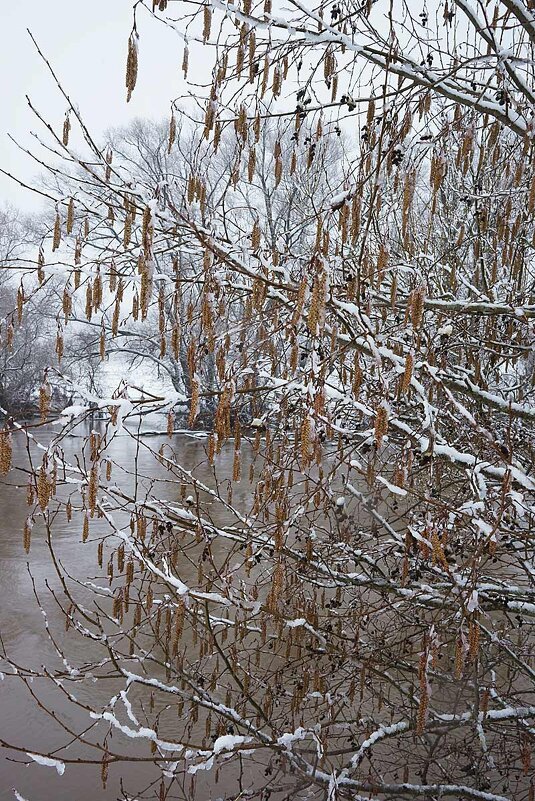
(329,256)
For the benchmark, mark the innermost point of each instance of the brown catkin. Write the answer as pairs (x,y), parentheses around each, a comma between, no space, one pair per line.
(255,236)
(207,22)
(120,558)
(277,82)
(85,529)
(473,640)
(251,165)
(27,536)
(92,490)
(175,341)
(408,196)
(422,714)
(236,468)
(59,346)
(66,303)
(178,624)
(439,557)
(88,301)
(131,65)
(531,196)
(44,400)
(104,770)
(211,448)
(407,373)
(30,492)
(97,291)
(6,449)
(127,232)
(43,488)
(170,424)
(381,424)
(115,319)
(66,130)
(56,239)
(107,174)
(459,658)
(118,606)
(277,586)
(40,265)
(172,133)
(70,216)
(306,431)
(217,134)
(417,306)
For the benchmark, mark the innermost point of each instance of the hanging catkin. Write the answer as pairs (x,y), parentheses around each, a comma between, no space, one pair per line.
(131,65)
(6,449)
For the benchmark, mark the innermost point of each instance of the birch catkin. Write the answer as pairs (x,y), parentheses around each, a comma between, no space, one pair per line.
(194,403)
(172,133)
(43,487)
(70,216)
(56,238)
(6,450)
(66,130)
(407,373)
(27,535)
(381,424)
(207,22)
(131,65)
(417,306)
(44,400)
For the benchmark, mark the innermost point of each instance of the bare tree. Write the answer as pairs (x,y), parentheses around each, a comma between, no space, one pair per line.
(28,340)
(358,624)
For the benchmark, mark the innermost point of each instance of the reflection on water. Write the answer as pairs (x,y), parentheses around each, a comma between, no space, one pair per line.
(22,628)
(23,722)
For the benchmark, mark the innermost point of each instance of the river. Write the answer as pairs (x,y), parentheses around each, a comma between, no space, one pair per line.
(22,722)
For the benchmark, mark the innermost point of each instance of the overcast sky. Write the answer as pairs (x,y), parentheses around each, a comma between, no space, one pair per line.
(86,43)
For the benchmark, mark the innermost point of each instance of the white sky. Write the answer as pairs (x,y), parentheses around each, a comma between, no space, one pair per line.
(86,43)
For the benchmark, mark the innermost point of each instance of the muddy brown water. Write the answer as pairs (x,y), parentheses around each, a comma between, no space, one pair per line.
(22,722)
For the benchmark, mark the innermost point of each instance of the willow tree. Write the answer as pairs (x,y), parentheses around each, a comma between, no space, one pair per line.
(359,625)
